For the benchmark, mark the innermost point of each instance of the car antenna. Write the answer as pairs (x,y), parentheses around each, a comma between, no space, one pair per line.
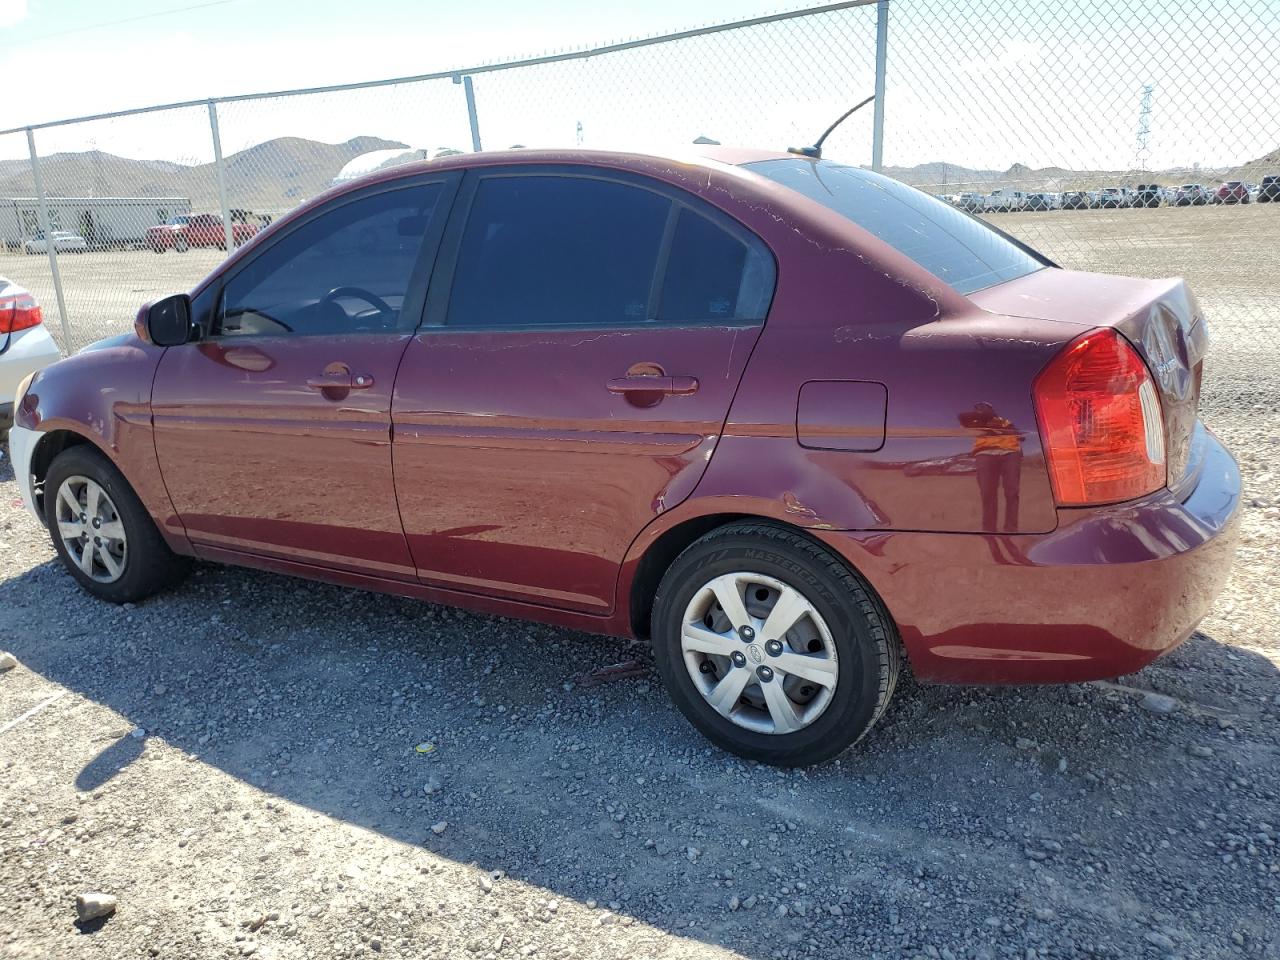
(816,150)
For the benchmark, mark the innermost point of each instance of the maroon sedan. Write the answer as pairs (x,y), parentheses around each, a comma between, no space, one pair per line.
(1233,191)
(788,419)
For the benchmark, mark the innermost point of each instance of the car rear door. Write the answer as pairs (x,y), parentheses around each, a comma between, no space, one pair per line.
(584,337)
(273,431)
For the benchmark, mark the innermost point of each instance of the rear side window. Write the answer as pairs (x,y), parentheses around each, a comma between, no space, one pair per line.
(346,271)
(565,250)
(960,250)
(543,250)
(712,275)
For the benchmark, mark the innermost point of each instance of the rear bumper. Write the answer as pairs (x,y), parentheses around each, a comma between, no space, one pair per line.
(28,351)
(1106,593)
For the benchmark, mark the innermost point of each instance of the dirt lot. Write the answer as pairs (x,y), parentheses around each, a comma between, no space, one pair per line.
(237,763)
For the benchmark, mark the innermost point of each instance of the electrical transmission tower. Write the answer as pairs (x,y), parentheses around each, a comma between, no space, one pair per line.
(1144,124)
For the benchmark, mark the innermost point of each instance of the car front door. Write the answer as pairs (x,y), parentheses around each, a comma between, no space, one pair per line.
(583,340)
(273,429)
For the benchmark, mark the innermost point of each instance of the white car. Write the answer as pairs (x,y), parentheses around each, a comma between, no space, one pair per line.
(1006,201)
(63,242)
(25,345)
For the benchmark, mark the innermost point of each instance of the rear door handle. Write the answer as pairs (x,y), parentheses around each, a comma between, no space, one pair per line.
(670,386)
(340,381)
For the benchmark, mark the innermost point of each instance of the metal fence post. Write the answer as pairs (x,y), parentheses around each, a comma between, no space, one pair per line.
(882,52)
(43,210)
(228,228)
(470,91)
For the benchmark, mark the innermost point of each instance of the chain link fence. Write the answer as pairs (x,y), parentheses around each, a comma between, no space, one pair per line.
(1127,137)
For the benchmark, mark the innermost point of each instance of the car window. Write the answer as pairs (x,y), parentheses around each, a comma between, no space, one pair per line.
(541,250)
(958,249)
(712,275)
(346,271)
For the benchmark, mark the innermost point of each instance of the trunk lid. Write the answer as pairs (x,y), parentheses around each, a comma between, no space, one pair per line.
(1162,320)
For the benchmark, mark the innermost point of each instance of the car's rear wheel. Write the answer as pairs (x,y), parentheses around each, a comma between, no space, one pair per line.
(180,244)
(101,530)
(771,646)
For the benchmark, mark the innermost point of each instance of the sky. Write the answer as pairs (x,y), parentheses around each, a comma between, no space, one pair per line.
(981,83)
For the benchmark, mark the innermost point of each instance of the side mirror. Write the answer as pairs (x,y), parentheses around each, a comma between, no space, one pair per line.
(167,322)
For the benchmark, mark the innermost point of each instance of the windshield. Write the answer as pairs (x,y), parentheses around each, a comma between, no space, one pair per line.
(177,221)
(956,248)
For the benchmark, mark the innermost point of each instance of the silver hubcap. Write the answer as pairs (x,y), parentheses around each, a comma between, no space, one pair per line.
(759,653)
(90,529)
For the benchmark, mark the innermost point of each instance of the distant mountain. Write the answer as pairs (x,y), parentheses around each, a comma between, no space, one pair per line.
(1255,170)
(949,178)
(273,175)
(940,173)
(280,173)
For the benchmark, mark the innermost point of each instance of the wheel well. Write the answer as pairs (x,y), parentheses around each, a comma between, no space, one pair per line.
(50,445)
(663,552)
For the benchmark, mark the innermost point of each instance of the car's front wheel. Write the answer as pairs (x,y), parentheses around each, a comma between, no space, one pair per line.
(101,530)
(771,646)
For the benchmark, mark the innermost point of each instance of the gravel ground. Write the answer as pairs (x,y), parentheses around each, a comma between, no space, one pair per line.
(239,764)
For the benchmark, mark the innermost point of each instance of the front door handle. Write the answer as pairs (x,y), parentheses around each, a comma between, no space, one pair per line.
(668,386)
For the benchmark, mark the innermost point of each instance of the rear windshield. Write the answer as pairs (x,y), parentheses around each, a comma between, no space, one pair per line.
(956,248)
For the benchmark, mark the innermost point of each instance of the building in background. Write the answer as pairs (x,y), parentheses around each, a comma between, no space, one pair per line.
(104,222)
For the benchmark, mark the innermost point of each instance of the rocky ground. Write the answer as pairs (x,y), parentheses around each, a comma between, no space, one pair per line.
(258,766)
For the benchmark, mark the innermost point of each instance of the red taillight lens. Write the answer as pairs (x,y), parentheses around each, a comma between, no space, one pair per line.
(1100,422)
(18,313)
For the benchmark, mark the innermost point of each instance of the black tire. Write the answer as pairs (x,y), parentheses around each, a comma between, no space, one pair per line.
(150,566)
(864,635)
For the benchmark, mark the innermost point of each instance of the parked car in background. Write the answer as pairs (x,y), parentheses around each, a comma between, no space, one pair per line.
(1192,194)
(1148,195)
(1115,198)
(1076,200)
(25,345)
(1233,191)
(196,230)
(724,466)
(1043,201)
(972,202)
(1269,190)
(63,242)
(1006,201)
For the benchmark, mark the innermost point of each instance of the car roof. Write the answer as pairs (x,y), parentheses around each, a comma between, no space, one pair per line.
(641,162)
(705,154)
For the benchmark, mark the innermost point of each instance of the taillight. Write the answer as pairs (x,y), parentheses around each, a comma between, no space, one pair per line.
(18,312)
(1100,422)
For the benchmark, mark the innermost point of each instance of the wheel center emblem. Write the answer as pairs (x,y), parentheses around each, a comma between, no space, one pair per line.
(755,654)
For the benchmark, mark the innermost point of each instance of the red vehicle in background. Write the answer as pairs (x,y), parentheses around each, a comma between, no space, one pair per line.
(182,232)
(1233,191)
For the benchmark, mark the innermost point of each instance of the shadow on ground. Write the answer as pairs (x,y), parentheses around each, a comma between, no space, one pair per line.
(963,814)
